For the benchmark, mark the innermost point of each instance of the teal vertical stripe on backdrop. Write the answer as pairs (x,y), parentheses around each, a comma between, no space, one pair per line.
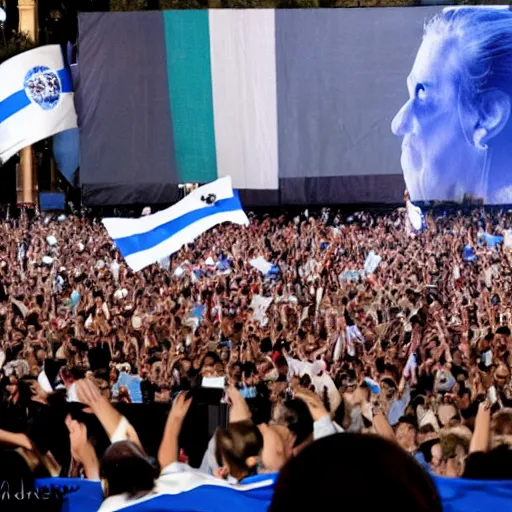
(187,41)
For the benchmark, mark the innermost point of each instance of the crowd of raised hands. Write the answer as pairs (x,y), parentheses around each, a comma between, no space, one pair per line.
(418,351)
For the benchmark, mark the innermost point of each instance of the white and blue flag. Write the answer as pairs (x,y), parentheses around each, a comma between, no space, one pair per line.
(183,489)
(146,240)
(182,494)
(36,99)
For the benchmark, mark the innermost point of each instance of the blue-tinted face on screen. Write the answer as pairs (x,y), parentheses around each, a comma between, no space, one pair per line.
(439,158)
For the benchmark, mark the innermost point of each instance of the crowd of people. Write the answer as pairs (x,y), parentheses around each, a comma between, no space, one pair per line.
(418,351)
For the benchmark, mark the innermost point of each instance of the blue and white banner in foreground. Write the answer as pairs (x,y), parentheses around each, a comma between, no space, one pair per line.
(457,495)
(149,239)
(181,490)
(36,99)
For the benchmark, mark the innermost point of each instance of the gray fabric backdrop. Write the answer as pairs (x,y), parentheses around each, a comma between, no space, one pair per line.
(122,98)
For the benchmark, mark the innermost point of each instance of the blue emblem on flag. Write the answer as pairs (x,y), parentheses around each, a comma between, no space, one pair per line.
(42,85)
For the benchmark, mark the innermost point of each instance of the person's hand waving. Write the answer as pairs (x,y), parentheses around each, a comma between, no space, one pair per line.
(88,393)
(180,408)
(314,403)
(239,410)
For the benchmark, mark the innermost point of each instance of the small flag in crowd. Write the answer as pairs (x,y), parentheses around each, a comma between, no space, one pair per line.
(468,254)
(194,318)
(352,275)
(259,305)
(148,239)
(489,240)
(261,264)
(415,216)
(36,99)
(372,262)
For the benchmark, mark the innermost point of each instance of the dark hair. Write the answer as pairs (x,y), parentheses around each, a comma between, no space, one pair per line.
(339,413)
(493,465)
(408,420)
(95,432)
(127,470)
(281,361)
(213,355)
(390,382)
(311,480)
(305,381)
(266,345)
(295,414)
(325,399)
(249,369)
(101,373)
(235,444)
(17,476)
(52,368)
(25,384)
(504,330)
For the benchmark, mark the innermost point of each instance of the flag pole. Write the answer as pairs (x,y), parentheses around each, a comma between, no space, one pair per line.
(26,175)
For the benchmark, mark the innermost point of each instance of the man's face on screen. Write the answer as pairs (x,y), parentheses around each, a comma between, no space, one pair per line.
(437,156)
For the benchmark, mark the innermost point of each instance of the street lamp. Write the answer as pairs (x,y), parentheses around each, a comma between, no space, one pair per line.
(3,17)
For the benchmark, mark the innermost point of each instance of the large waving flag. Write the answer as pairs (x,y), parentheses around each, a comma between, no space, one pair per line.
(149,239)
(36,99)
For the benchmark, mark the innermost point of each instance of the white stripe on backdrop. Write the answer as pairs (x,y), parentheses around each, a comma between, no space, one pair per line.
(243,61)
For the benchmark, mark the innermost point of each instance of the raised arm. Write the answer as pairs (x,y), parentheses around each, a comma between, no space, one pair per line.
(116,426)
(169,449)
(482,433)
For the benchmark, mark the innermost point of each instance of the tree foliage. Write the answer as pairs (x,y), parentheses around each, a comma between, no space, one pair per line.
(17,43)
(127,5)
(136,5)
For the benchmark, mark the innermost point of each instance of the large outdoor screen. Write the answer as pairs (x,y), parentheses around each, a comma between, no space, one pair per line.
(298,106)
